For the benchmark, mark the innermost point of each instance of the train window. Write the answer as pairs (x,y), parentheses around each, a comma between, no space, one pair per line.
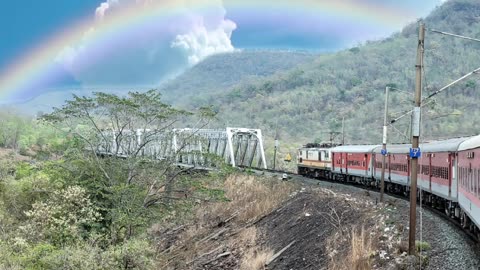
(475,183)
(478,183)
(460,172)
(327,154)
(470,182)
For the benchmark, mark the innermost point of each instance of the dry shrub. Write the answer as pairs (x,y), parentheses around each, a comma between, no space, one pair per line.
(357,257)
(361,249)
(249,197)
(247,237)
(255,259)
(255,196)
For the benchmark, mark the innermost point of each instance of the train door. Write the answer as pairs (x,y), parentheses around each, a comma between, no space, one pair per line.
(388,162)
(365,164)
(345,162)
(452,177)
(430,171)
(334,160)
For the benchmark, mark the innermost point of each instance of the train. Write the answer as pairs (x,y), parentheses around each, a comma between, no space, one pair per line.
(448,172)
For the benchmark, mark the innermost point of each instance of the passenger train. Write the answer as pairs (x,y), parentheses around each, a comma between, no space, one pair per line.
(448,172)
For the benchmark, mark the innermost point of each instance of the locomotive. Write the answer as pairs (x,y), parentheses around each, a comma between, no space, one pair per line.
(448,172)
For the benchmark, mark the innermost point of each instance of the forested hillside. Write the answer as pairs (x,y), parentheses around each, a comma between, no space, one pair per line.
(222,71)
(310,100)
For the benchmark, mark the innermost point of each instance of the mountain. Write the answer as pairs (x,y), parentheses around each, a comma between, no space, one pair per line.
(310,100)
(222,71)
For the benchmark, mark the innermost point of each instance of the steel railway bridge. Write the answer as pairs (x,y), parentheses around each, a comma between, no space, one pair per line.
(199,148)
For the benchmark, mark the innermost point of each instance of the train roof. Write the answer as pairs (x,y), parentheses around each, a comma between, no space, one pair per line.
(470,143)
(313,148)
(450,145)
(354,148)
(395,148)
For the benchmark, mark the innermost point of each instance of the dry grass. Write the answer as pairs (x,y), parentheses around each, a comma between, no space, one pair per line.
(255,259)
(361,249)
(358,256)
(249,198)
(246,237)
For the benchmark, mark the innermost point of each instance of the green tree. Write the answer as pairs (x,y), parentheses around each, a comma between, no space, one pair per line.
(124,183)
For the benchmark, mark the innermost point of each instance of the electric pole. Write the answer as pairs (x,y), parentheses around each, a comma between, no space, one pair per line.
(275,146)
(343,130)
(275,152)
(384,145)
(415,151)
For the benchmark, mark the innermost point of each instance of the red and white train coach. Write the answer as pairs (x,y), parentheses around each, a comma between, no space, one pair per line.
(437,170)
(355,162)
(397,166)
(469,182)
(448,172)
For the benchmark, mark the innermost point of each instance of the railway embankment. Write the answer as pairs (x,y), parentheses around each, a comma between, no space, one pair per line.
(266,223)
(441,245)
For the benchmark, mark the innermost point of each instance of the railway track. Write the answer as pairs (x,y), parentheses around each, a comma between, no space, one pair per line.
(437,212)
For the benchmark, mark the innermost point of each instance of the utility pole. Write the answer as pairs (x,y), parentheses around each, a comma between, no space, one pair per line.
(415,151)
(275,152)
(384,145)
(343,130)
(275,146)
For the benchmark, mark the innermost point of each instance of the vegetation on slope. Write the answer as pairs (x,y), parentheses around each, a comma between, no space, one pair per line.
(310,100)
(222,71)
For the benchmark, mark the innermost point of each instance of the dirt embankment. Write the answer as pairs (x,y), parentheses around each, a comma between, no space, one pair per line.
(321,223)
(303,224)
(276,225)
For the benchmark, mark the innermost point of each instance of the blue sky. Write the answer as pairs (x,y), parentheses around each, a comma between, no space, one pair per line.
(25,23)
(170,50)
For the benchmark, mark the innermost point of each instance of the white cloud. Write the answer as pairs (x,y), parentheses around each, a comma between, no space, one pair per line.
(154,51)
(201,42)
(102,9)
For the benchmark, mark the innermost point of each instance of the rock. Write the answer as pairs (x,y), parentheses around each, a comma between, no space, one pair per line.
(410,262)
(393,266)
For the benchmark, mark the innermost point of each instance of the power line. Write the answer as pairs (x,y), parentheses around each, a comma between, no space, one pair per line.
(428,99)
(453,35)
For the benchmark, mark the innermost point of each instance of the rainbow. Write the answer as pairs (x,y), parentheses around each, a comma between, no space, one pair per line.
(20,77)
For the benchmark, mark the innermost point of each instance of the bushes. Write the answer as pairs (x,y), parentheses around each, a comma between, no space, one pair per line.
(133,254)
(61,218)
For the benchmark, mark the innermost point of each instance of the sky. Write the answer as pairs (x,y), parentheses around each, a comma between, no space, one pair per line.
(35,56)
